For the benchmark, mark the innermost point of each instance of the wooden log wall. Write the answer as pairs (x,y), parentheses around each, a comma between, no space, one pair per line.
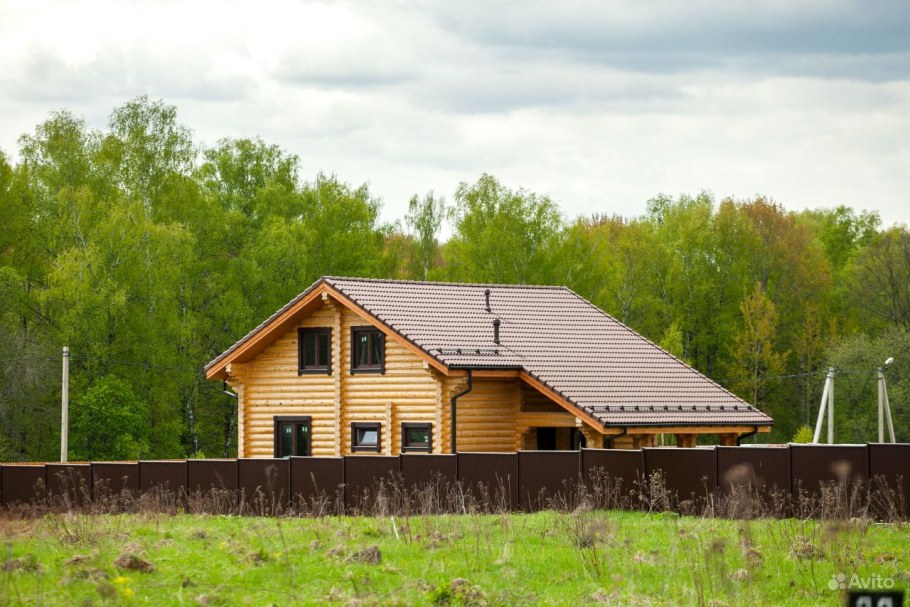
(486,415)
(405,392)
(270,386)
(408,391)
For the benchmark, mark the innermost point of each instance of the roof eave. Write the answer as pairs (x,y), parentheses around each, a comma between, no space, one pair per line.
(217,367)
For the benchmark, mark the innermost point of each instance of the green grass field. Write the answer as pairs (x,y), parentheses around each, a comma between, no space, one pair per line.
(589,558)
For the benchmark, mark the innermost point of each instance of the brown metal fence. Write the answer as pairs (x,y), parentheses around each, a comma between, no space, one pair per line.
(544,476)
(366,480)
(114,478)
(686,475)
(317,484)
(490,478)
(891,464)
(68,483)
(527,480)
(166,479)
(812,466)
(614,476)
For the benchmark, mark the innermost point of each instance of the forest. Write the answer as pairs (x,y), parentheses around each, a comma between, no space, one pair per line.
(148,254)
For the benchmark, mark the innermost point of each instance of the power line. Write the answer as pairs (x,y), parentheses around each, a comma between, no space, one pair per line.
(770,377)
(818,372)
(108,361)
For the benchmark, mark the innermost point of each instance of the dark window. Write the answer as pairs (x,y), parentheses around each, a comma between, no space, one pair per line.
(366,437)
(314,351)
(416,437)
(292,435)
(367,350)
(546,439)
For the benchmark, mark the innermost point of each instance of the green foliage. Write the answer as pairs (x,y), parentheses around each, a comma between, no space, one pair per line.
(109,423)
(148,256)
(804,434)
(424,220)
(754,357)
(857,357)
(545,558)
(672,341)
(879,277)
(501,235)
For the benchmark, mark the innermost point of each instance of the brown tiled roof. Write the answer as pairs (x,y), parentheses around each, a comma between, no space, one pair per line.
(557,337)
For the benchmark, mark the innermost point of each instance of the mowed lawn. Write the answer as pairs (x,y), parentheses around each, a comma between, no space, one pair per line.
(547,558)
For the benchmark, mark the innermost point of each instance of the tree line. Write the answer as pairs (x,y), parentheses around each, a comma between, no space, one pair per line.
(148,255)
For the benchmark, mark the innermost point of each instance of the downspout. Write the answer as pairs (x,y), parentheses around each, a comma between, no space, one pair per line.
(454,401)
(625,430)
(230,432)
(226,390)
(747,435)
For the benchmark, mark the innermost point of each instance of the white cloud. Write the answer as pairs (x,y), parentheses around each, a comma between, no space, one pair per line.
(601,105)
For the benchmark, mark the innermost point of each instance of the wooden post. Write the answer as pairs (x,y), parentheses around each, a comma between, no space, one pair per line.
(729,439)
(685,440)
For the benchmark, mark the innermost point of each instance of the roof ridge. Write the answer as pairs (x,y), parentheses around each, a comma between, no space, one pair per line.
(330,279)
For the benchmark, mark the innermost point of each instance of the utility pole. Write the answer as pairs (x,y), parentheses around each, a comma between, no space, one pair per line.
(881,406)
(831,407)
(884,406)
(827,403)
(65,409)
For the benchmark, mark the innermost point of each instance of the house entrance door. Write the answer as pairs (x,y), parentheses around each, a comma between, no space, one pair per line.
(292,436)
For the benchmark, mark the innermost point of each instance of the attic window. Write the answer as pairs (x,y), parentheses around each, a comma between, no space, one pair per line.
(314,351)
(367,350)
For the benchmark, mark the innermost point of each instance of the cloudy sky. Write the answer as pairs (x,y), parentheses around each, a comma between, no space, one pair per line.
(600,104)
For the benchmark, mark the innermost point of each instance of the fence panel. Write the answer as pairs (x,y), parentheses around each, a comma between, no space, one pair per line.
(545,477)
(68,483)
(207,474)
(317,484)
(490,479)
(211,485)
(21,484)
(163,482)
(892,463)
(265,484)
(421,471)
(613,476)
(766,469)
(689,475)
(814,465)
(368,479)
(111,479)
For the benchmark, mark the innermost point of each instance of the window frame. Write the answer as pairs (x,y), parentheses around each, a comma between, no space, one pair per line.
(355,447)
(370,330)
(302,332)
(405,447)
(278,420)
